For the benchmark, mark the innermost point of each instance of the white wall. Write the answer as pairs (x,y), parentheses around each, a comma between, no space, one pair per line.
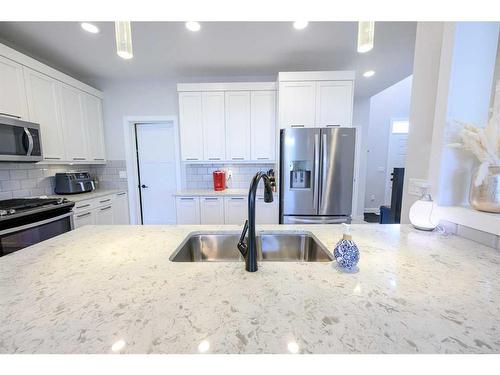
(393,102)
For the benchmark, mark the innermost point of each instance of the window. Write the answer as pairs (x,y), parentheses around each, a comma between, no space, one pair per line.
(400,126)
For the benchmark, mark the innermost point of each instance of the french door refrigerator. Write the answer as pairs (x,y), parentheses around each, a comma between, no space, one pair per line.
(317,171)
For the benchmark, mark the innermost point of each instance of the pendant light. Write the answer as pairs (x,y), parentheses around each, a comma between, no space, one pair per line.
(366,34)
(123,39)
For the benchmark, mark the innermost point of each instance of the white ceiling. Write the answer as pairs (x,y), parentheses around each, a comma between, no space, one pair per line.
(167,50)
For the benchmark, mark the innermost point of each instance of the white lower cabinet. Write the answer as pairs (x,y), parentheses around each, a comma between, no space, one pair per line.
(84,218)
(211,210)
(120,209)
(266,213)
(109,209)
(235,210)
(188,210)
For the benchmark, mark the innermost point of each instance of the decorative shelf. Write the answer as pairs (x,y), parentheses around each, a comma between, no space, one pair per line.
(466,216)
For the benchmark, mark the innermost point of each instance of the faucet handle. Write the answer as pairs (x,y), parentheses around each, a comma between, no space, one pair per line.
(242,246)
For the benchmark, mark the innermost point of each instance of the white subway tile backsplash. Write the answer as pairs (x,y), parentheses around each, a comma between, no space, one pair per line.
(18,174)
(4,175)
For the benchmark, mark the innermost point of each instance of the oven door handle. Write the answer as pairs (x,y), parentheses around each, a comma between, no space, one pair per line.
(36,224)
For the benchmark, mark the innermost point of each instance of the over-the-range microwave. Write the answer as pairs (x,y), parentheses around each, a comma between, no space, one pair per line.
(19,140)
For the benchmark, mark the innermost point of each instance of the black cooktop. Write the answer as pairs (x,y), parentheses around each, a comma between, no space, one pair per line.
(12,209)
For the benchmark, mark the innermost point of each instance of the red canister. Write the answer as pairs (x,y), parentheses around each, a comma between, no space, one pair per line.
(219,180)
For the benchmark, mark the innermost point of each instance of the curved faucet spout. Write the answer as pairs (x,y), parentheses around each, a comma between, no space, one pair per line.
(249,251)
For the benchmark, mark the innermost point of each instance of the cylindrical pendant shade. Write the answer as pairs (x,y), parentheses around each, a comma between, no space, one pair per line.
(366,34)
(123,39)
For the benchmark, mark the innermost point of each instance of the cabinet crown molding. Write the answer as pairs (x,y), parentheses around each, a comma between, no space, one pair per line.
(334,75)
(227,86)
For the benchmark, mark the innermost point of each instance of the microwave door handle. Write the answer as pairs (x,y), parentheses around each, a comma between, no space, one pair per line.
(316,171)
(30,142)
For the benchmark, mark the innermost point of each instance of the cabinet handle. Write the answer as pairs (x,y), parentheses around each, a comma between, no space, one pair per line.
(123,193)
(237,198)
(186,199)
(51,158)
(211,198)
(262,158)
(83,215)
(332,126)
(98,158)
(238,158)
(213,158)
(105,208)
(296,126)
(79,159)
(83,206)
(105,200)
(191,158)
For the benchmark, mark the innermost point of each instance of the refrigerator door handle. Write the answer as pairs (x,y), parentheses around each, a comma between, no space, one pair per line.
(324,164)
(316,170)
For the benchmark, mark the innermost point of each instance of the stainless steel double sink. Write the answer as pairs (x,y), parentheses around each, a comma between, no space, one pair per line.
(276,247)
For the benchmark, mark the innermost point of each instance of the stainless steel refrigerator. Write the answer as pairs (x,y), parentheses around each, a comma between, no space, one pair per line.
(316,175)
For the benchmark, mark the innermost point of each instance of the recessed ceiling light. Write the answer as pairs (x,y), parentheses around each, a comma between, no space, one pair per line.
(89,27)
(368,73)
(193,26)
(299,25)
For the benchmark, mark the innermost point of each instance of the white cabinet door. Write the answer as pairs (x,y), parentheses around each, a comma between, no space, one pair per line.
(84,218)
(263,125)
(235,210)
(92,111)
(297,104)
(44,108)
(120,209)
(212,210)
(214,132)
(12,92)
(188,210)
(104,215)
(75,134)
(237,125)
(334,102)
(191,126)
(266,213)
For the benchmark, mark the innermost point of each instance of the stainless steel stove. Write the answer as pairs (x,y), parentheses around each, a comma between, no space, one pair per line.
(27,221)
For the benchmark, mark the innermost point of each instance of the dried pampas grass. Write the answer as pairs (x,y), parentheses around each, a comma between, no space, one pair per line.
(484,143)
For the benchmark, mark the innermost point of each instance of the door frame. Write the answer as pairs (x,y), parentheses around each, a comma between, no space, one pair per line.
(387,171)
(129,123)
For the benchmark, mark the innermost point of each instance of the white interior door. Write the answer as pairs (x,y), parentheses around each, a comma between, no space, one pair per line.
(396,155)
(157,162)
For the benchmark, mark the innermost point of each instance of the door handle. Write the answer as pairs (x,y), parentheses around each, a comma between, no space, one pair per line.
(324,166)
(316,169)
(144,186)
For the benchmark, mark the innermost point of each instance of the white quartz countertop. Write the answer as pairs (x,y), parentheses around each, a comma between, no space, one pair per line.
(211,192)
(84,196)
(97,286)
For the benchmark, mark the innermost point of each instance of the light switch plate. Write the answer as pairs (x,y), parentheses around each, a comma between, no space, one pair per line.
(122,174)
(417,186)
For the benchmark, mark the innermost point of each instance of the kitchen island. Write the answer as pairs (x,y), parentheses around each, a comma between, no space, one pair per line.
(113,289)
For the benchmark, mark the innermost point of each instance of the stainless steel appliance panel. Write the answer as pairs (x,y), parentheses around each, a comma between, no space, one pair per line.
(19,140)
(316,219)
(300,155)
(337,172)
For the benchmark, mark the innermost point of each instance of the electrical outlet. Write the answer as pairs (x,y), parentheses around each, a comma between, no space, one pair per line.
(229,174)
(372,197)
(122,174)
(417,186)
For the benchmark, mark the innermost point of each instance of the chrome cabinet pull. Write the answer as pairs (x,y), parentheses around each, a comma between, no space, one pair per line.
(83,206)
(296,126)
(105,208)
(105,200)
(83,215)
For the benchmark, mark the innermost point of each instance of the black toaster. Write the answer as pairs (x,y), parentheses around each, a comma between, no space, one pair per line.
(74,183)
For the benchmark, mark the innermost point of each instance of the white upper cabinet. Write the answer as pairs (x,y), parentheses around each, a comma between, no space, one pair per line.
(334,103)
(237,125)
(92,110)
(263,125)
(43,95)
(191,129)
(297,104)
(75,133)
(12,91)
(214,129)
